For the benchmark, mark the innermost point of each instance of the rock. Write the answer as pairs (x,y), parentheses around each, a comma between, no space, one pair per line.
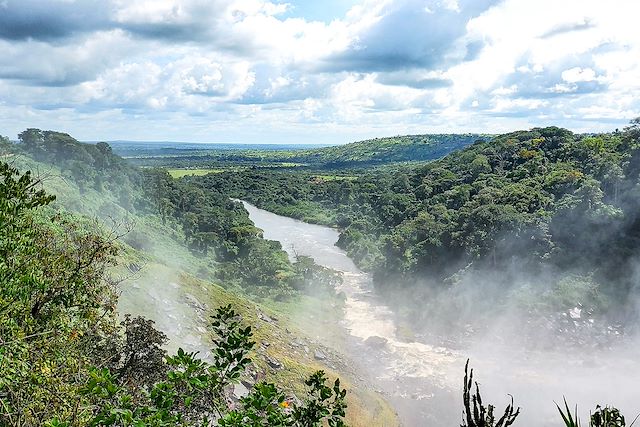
(266,318)
(376,342)
(575,313)
(194,303)
(134,268)
(319,355)
(240,391)
(273,363)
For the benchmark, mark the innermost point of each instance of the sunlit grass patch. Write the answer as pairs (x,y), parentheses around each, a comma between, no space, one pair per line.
(325,178)
(179,173)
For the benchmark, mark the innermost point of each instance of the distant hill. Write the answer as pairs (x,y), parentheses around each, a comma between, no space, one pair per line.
(372,152)
(128,149)
(408,148)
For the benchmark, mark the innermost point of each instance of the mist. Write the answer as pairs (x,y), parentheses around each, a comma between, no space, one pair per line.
(521,338)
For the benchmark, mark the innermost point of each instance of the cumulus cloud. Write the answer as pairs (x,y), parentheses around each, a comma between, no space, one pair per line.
(51,20)
(38,63)
(229,67)
(412,34)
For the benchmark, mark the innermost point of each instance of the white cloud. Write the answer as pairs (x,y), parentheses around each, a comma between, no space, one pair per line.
(390,66)
(578,74)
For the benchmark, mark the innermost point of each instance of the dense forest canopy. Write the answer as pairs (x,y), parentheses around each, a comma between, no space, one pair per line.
(544,204)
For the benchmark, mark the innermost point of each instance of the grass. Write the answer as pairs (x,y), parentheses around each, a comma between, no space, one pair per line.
(325,178)
(179,173)
(366,408)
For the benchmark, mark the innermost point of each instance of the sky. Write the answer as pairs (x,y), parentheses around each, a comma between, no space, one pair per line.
(330,71)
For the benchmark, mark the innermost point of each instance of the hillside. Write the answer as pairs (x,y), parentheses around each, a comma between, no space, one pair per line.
(379,151)
(530,238)
(369,153)
(175,272)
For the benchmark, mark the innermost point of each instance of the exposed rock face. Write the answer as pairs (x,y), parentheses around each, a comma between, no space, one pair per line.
(262,316)
(240,391)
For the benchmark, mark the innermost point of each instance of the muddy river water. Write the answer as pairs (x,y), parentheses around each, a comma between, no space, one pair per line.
(423,382)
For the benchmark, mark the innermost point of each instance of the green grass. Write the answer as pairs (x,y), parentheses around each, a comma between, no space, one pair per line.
(326,178)
(179,173)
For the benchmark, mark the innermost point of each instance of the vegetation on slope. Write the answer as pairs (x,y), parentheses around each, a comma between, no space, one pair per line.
(65,360)
(215,229)
(369,153)
(155,249)
(547,209)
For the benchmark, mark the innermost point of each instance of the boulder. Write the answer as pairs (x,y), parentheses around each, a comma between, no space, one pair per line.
(319,355)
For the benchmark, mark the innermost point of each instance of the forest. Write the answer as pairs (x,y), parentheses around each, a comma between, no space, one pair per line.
(545,214)
(544,203)
(66,356)
(361,154)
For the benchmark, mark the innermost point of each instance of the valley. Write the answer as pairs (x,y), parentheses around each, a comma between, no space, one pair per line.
(380,286)
(296,213)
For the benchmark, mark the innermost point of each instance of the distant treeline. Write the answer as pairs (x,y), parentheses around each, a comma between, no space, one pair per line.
(374,152)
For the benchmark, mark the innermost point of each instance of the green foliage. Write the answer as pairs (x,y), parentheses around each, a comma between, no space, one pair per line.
(475,414)
(607,417)
(56,305)
(5,145)
(373,152)
(601,417)
(139,360)
(267,406)
(570,420)
(194,391)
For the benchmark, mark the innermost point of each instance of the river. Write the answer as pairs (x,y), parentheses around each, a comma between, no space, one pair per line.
(423,382)
(418,379)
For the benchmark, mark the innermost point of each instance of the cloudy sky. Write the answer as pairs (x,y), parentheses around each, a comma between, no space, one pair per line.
(324,71)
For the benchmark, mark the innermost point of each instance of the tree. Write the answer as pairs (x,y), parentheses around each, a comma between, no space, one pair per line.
(55,303)
(193,393)
(5,145)
(31,138)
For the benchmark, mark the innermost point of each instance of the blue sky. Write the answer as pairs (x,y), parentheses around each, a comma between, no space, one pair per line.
(315,71)
(322,10)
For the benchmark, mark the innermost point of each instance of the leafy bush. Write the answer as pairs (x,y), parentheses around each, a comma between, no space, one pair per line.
(194,392)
